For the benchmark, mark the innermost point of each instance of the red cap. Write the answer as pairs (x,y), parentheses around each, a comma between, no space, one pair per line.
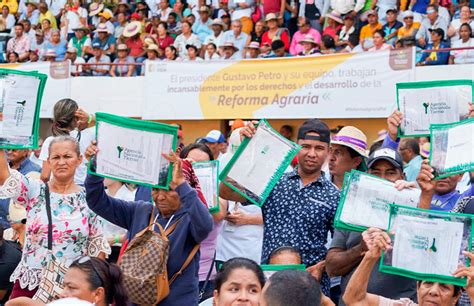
(135,16)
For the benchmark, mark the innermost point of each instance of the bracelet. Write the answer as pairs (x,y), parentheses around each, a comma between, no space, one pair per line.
(117,239)
(90,119)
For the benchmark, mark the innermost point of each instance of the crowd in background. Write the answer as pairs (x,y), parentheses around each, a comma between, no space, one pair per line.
(127,33)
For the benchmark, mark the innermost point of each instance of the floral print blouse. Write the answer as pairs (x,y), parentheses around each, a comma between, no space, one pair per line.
(77,231)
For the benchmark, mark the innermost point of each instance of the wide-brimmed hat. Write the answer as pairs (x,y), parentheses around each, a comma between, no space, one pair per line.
(335,16)
(425,150)
(270,16)
(132,29)
(253,45)
(309,39)
(84,29)
(102,27)
(203,9)
(122,47)
(229,44)
(50,53)
(95,8)
(35,4)
(353,138)
(381,135)
(106,13)
(71,50)
(124,2)
(153,47)
(218,22)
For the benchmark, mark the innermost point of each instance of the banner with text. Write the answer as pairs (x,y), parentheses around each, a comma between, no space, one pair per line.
(298,87)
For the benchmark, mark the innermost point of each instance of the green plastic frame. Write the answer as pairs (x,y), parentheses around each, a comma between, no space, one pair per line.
(36,121)
(345,188)
(275,178)
(215,208)
(300,267)
(422,276)
(136,124)
(428,84)
(458,169)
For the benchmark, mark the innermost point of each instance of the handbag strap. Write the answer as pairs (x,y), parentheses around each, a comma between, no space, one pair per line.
(186,264)
(50,219)
(204,287)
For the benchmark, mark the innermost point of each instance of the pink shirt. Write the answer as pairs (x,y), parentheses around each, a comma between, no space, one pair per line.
(19,45)
(384,47)
(296,47)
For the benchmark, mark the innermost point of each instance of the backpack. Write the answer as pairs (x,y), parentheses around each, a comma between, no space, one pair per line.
(144,263)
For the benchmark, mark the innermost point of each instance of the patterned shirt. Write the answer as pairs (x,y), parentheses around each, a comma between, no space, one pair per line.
(19,45)
(76,229)
(300,216)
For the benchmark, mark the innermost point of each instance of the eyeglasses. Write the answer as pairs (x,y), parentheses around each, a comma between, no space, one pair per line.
(408,18)
(85,259)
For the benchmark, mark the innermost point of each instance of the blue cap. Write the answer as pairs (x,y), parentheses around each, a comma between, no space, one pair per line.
(96,45)
(214,136)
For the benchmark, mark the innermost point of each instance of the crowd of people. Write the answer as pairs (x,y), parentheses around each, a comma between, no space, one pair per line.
(127,33)
(51,208)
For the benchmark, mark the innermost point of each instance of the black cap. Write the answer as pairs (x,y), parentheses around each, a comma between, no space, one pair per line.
(387,154)
(392,10)
(316,126)
(277,44)
(439,31)
(191,46)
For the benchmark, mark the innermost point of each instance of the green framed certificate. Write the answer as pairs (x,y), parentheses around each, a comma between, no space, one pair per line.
(259,163)
(365,202)
(452,148)
(269,270)
(208,175)
(427,245)
(434,102)
(20,103)
(130,150)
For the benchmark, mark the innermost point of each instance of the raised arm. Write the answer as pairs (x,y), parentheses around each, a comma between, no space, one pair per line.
(356,290)
(339,260)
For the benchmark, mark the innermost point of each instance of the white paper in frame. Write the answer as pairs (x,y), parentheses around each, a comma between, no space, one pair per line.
(366,200)
(259,163)
(208,176)
(436,102)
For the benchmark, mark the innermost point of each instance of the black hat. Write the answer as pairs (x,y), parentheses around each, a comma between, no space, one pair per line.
(439,31)
(387,154)
(316,126)
(277,44)
(191,46)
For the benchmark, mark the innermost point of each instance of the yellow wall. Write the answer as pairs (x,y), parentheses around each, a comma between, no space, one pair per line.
(193,129)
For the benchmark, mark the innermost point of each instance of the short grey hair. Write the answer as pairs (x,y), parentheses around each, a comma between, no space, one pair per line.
(65,138)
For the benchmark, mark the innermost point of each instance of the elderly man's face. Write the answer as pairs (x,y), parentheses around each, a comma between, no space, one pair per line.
(237,27)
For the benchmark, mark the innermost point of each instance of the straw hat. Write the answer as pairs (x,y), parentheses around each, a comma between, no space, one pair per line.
(102,27)
(309,39)
(107,14)
(95,8)
(132,29)
(353,138)
(203,9)
(16,212)
(335,16)
(124,2)
(253,45)
(71,50)
(148,41)
(153,47)
(50,53)
(122,47)
(84,29)
(425,150)
(381,135)
(270,16)
(35,4)
(218,21)
(229,44)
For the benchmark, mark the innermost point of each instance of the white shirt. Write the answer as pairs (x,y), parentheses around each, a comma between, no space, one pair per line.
(181,42)
(55,6)
(240,240)
(73,18)
(463,56)
(164,14)
(345,6)
(213,39)
(153,5)
(87,135)
(456,24)
(36,160)
(74,68)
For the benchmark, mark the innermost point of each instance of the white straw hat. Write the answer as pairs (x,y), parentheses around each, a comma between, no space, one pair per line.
(353,138)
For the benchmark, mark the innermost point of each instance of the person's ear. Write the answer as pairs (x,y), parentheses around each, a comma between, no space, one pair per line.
(99,295)
(357,161)
(216,297)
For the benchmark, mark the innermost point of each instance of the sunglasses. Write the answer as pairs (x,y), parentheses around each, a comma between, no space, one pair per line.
(85,259)
(408,18)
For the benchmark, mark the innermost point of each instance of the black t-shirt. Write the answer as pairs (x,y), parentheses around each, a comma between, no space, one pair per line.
(10,255)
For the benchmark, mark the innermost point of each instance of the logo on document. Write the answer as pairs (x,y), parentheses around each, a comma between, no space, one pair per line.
(119,151)
(265,150)
(426,105)
(433,248)
(22,103)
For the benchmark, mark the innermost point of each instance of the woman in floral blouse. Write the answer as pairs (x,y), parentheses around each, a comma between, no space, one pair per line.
(76,229)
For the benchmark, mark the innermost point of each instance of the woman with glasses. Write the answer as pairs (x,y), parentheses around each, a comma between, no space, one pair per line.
(69,120)
(88,279)
(76,229)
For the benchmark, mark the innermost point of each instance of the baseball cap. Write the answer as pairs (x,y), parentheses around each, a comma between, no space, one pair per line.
(387,154)
(316,126)
(214,136)
(438,31)
(406,14)
(371,12)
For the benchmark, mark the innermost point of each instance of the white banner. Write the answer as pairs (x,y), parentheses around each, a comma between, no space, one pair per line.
(358,85)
